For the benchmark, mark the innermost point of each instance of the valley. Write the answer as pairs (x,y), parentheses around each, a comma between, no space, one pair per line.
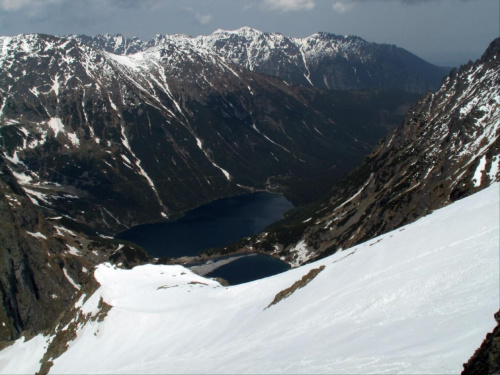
(115,141)
(393,237)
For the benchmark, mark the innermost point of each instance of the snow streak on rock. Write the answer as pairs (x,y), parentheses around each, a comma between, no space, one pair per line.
(138,165)
(200,146)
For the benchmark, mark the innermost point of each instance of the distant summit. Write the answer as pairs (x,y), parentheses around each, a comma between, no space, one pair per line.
(321,60)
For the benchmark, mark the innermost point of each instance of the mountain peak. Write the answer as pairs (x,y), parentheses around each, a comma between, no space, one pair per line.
(492,52)
(242,31)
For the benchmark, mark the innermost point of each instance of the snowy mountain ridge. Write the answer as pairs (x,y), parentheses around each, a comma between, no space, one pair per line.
(415,300)
(322,60)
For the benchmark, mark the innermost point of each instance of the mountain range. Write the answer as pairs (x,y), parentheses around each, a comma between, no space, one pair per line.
(119,140)
(101,133)
(94,142)
(322,60)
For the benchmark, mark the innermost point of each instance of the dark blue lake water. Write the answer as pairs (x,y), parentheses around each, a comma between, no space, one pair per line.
(254,267)
(213,225)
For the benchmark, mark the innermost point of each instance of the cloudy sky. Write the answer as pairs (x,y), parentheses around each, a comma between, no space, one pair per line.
(444,32)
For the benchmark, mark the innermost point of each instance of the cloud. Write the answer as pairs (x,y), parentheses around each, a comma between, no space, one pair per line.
(32,6)
(342,7)
(347,5)
(203,19)
(248,6)
(411,2)
(15,5)
(289,5)
(123,4)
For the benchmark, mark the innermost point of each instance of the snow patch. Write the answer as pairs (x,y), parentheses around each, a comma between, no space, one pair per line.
(61,231)
(72,282)
(22,178)
(55,123)
(495,168)
(23,356)
(200,146)
(479,172)
(134,62)
(36,196)
(73,139)
(357,193)
(37,235)
(300,253)
(73,250)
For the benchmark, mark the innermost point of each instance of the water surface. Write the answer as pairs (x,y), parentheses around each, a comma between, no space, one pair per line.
(249,268)
(215,224)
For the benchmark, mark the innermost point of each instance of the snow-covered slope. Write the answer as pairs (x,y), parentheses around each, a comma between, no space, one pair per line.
(416,300)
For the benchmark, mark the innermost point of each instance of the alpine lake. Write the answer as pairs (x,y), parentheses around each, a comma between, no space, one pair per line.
(217,224)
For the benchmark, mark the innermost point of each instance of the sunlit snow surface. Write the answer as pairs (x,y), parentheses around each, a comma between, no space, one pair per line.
(419,299)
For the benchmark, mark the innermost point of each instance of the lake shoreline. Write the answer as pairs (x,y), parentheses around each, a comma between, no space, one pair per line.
(209,227)
(188,261)
(199,238)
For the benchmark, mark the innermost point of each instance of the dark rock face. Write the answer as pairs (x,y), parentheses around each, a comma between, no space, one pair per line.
(321,60)
(43,261)
(114,141)
(33,287)
(447,148)
(486,359)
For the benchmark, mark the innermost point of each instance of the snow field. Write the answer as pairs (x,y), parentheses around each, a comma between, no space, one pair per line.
(419,299)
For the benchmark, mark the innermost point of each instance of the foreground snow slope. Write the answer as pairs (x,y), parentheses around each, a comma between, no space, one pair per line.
(416,300)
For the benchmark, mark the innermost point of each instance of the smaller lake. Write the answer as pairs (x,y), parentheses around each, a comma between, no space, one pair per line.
(249,268)
(215,224)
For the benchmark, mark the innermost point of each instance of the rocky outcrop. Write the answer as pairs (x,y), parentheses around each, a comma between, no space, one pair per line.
(33,286)
(486,359)
(306,279)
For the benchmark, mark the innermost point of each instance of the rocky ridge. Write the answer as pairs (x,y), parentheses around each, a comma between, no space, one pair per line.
(322,60)
(486,359)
